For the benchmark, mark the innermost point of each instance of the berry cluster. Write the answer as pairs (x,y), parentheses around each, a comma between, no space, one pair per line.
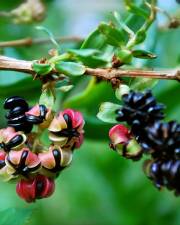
(148,134)
(23,156)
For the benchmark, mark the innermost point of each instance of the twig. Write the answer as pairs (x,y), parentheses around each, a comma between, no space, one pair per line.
(12,64)
(30,41)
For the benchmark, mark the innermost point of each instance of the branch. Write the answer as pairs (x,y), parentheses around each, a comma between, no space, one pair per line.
(12,64)
(30,41)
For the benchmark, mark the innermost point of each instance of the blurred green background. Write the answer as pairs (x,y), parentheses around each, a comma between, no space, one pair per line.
(100,187)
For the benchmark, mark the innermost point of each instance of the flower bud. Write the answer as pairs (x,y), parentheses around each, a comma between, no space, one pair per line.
(55,159)
(66,129)
(11,140)
(23,162)
(41,115)
(35,188)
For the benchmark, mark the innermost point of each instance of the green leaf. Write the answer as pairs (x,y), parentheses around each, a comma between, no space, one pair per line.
(70,68)
(140,84)
(84,52)
(143,54)
(15,216)
(95,40)
(140,36)
(50,34)
(125,56)
(122,24)
(65,88)
(113,36)
(25,87)
(41,69)
(47,98)
(136,10)
(107,112)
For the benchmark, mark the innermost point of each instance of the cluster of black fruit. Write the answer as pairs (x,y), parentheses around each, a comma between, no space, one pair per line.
(160,140)
(17,117)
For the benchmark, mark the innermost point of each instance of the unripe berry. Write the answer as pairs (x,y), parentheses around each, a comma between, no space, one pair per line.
(39,114)
(66,129)
(11,140)
(24,162)
(6,172)
(55,159)
(123,142)
(35,188)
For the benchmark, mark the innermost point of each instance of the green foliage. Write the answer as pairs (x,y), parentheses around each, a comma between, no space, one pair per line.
(47,98)
(15,216)
(70,68)
(107,112)
(106,188)
(42,69)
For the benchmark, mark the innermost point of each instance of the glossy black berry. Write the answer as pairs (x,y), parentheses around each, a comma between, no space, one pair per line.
(14,101)
(140,109)
(165,173)
(162,140)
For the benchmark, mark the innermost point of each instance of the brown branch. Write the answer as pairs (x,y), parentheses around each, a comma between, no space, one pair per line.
(30,41)
(12,64)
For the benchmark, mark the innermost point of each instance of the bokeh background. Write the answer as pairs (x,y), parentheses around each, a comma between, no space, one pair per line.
(100,187)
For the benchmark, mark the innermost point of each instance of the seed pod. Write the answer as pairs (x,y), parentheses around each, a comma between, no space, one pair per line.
(39,114)
(24,162)
(35,188)
(55,159)
(11,140)
(66,129)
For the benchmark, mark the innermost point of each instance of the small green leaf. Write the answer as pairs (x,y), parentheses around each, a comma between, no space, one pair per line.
(140,36)
(50,34)
(47,98)
(107,112)
(65,88)
(136,10)
(143,54)
(113,36)
(125,56)
(70,68)
(140,84)
(15,216)
(84,52)
(122,24)
(95,40)
(41,69)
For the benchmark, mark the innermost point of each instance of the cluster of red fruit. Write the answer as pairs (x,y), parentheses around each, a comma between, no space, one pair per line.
(23,156)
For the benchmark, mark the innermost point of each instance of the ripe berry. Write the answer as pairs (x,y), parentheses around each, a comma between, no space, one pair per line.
(139,110)
(164,173)
(162,140)
(35,188)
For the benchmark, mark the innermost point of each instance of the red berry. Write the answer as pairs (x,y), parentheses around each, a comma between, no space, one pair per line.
(36,188)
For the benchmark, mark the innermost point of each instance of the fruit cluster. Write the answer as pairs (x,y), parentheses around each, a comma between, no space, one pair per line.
(148,134)
(23,156)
